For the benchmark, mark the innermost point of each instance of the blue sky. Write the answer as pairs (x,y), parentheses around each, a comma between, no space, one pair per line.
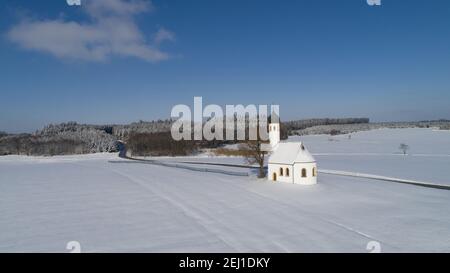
(134,61)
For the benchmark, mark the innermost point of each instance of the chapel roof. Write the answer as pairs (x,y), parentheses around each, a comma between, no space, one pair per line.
(290,153)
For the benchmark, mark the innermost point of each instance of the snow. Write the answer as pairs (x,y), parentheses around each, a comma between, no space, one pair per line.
(118,207)
(376,152)
(381,141)
(387,178)
(429,169)
(290,153)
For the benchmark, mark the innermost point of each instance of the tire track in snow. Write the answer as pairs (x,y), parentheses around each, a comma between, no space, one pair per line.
(381,154)
(351,174)
(388,179)
(335,223)
(230,230)
(188,212)
(226,231)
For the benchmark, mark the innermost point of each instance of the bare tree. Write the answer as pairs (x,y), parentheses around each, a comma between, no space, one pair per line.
(254,154)
(404,148)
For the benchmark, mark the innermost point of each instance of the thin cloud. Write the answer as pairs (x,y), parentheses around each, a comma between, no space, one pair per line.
(111,31)
(164,35)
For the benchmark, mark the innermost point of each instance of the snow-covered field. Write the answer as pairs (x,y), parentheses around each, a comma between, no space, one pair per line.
(377,152)
(128,207)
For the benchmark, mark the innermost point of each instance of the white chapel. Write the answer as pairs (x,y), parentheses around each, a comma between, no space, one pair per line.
(290,162)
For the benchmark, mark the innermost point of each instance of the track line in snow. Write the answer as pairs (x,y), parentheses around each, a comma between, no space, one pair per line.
(350,174)
(182,165)
(335,223)
(381,154)
(202,217)
(386,178)
(313,216)
(188,212)
(342,173)
(185,210)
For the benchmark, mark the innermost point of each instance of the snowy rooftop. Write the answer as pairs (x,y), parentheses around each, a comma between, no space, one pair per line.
(290,153)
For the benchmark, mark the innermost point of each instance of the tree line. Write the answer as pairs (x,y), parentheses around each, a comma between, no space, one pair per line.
(153,138)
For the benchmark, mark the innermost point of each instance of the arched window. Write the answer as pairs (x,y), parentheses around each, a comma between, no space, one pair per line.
(281,171)
(314,171)
(303,172)
(287,172)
